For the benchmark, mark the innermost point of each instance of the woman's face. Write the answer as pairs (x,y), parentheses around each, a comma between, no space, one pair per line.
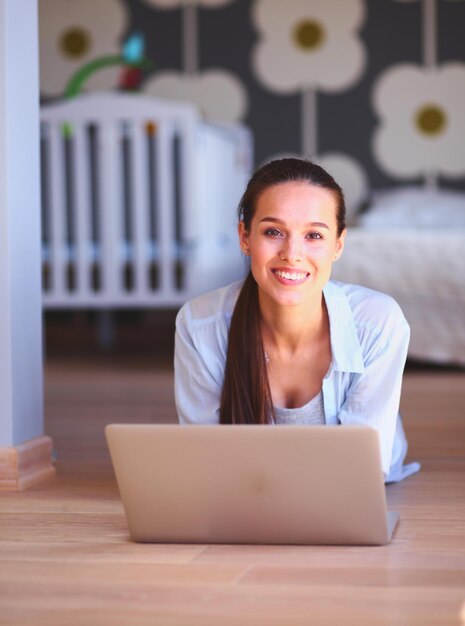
(292,242)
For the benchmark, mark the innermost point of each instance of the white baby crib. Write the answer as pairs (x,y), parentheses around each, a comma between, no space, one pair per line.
(138,202)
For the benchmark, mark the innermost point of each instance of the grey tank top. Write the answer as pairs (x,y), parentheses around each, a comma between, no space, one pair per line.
(311,413)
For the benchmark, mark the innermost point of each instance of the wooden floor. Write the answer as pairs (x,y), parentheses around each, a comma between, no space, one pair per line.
(65,556)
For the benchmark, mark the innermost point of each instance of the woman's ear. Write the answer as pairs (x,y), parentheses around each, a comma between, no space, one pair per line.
(243,238)
(340,244)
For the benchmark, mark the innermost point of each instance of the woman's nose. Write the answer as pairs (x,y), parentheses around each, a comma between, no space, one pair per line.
(291,251)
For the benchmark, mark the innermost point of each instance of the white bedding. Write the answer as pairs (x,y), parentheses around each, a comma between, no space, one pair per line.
(424,270)
(415,207)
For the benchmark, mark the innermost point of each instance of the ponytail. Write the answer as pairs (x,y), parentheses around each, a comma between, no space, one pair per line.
(246,395)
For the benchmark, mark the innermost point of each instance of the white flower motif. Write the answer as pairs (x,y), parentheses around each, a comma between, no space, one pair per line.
(346,171)
(422,126)
(173,4)
(74,32)
(219,95)
(350,176)
(308,44)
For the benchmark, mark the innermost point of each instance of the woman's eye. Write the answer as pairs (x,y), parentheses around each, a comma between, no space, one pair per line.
(314,236)
(272,232)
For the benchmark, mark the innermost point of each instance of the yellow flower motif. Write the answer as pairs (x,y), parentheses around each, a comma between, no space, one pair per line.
(74,32)
(308,44)
(422,126)
(431,119)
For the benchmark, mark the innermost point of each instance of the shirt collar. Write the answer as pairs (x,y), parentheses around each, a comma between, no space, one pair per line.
(345,345)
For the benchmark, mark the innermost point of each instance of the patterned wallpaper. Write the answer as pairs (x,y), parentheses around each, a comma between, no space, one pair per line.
(372,89)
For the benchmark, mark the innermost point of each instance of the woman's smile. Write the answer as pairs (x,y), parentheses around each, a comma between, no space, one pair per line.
(290,276)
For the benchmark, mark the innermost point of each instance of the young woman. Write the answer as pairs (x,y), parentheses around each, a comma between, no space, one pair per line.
(287,345)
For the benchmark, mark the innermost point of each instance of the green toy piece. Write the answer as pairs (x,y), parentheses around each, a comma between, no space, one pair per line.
(74,86)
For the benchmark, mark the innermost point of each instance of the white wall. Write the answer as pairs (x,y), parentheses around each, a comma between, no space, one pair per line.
(21,378)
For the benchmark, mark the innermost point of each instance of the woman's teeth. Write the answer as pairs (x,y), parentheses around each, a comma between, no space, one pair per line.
(291,275)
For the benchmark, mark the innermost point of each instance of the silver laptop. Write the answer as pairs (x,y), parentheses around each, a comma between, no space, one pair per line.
(251,484)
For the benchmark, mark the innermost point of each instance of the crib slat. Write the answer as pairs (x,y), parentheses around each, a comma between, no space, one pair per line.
(82,217)
(153,234)
(140,208)
(111,195)
(165,217)
(57,211)
(188,195)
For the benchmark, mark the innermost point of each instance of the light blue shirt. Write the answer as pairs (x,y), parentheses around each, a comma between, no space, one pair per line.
(369,340)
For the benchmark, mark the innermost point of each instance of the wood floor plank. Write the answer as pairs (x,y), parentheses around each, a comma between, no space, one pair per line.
(105,575)
(220,605)
(73,526)
(116,552)
(356,577)
(399,555)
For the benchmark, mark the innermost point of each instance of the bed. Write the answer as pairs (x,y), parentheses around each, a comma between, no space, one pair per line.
(410,243)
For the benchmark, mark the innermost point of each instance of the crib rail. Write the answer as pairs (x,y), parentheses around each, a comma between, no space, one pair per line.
(138,200)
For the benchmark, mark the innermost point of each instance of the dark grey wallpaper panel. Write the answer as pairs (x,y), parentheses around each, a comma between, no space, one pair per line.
(373,89)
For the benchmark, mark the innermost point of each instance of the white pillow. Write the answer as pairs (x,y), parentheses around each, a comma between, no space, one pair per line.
(415,207)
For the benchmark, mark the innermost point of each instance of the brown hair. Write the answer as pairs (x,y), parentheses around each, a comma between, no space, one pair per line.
(246,394)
